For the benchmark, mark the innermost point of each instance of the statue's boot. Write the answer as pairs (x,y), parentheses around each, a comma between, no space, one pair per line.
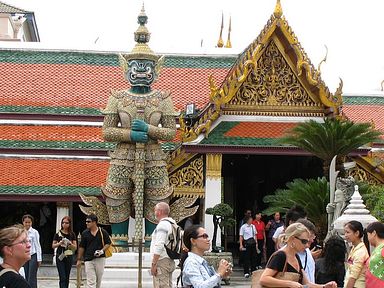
(120,235)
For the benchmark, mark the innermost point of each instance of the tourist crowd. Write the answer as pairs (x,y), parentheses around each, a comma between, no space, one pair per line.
(293,259)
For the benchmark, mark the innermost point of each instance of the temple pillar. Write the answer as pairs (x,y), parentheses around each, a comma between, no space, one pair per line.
(212,191)
(62,209)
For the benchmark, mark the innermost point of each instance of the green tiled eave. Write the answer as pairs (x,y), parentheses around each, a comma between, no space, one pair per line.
(56,145)
(13,144)
(217,137)
(51,110)
(107,59)
(49,190)
(363,100)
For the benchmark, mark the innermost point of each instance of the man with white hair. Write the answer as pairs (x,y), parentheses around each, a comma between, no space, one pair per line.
(162,266)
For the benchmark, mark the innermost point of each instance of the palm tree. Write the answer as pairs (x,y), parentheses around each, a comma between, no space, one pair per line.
(333,137)
(311,194)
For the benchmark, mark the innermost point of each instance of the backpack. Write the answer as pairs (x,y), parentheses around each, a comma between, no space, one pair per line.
(175,241)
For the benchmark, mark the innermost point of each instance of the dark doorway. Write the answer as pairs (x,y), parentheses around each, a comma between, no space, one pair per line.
(248,178)
(44,214)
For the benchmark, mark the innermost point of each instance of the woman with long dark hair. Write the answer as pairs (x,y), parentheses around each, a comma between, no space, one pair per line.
(65,243)
(196,271)
(330,267)
(355,275)
(374,276)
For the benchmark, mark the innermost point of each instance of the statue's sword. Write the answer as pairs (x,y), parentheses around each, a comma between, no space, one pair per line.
(139,190)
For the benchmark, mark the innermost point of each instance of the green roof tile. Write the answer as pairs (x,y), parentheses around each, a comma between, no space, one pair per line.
(217,137)
(51,110)
(5,8)
(363,100)
(49,190)
(107,59)
(56,145)
(15,144)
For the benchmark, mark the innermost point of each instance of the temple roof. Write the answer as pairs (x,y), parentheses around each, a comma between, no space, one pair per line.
(6,8)
(56,87)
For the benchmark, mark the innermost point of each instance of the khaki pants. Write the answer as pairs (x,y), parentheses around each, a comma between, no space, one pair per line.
(165,268)
(94,270)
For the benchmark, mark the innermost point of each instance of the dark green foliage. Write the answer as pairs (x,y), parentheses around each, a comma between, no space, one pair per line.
(373,196)
(333,137)
(222,216)
(311,194)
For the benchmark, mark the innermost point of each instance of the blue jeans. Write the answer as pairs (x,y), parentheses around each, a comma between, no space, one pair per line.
(30,269)
(64,268)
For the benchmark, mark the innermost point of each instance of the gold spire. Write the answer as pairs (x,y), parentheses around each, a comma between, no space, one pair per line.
(278,10)
(220,43)
(229,44)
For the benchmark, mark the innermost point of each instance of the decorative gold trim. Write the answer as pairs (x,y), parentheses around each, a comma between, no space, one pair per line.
(63,204)
(302,67)
(178,158)
(213,164)
(188,181)
(368,170)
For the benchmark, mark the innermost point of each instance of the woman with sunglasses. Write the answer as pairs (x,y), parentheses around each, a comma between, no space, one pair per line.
(196,271)
(374,276)
(15,250)
(32,265)
(65,244)
(355,274)
(296,237)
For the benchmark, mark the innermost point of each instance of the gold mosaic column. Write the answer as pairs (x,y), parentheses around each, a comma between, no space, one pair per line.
(213,166)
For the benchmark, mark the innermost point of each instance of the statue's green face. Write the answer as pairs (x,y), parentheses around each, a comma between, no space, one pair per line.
(141,72)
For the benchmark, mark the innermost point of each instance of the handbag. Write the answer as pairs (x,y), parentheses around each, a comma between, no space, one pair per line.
(109,251)
(291,276)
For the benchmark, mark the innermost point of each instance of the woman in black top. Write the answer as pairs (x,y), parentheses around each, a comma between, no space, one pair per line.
(331,265)
(15,250)
(296,237)
(65,242)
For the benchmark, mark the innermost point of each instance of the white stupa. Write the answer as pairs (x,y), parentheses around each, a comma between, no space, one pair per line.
(356,210)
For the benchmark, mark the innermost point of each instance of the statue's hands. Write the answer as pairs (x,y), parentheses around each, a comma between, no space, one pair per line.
(139,136)
(139,125)
(330,207)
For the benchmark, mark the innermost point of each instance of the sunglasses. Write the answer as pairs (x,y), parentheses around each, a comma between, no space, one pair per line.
(303,241)
(88,221)
(204,236)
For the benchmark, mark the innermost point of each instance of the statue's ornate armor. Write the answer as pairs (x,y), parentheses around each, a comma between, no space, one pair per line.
(121,110)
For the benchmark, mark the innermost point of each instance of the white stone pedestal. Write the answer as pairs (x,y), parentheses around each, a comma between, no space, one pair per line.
(121,270)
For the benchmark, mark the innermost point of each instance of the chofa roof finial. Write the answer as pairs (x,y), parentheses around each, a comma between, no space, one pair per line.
(220,42)
(278,10)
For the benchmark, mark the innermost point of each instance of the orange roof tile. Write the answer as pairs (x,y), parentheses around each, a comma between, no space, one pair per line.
(366,113)
(88,86)
(42,172)
(260,129)
(51,133)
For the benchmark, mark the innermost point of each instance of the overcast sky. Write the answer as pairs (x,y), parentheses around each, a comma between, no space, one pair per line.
(351,29)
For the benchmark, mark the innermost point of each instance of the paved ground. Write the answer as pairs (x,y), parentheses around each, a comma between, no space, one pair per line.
(237,280)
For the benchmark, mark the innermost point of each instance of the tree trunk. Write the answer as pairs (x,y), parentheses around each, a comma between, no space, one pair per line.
(215,227)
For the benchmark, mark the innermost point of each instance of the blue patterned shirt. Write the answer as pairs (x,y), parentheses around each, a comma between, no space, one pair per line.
(198,274)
